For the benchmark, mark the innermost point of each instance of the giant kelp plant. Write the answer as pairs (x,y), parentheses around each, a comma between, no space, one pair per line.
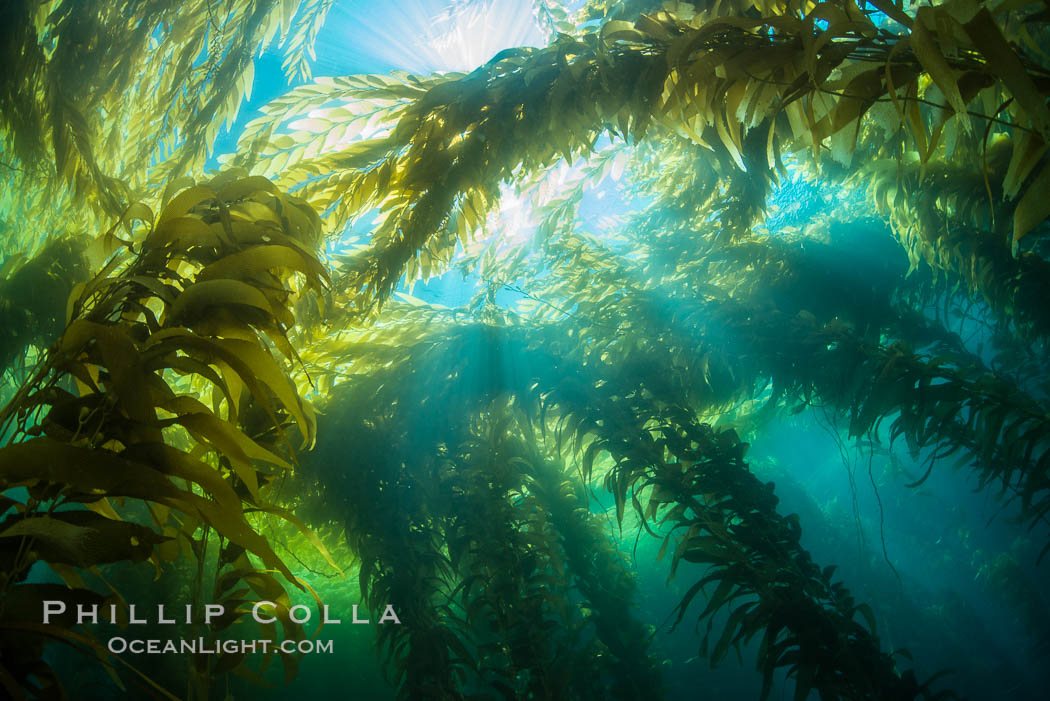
(832,212)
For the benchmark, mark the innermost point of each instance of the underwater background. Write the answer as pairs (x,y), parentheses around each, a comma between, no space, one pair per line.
(624,349)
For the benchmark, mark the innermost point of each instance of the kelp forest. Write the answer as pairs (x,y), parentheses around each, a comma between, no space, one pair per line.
(648,350)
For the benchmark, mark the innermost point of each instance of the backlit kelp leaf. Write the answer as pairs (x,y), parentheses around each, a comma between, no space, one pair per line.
(121,358)
(245,187)
(254,365)
(174,462)
(263,367)
(229,442)
(201,297)
(87,472)
(183,232)
(184,202)
(1004,63)
(1034,206)
(237,530)
(94,472)
(305,530)
(83,538)
(1028,148)
(929,54)
(247,264)
(235,444)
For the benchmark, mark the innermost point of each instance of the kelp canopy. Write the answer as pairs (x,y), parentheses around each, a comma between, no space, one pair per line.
(672,230)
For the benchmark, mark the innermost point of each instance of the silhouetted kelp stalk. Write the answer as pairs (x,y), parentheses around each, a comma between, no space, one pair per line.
(698,474)
(760,572)
(446,520)
(199,302)
(600,575)
(514,590)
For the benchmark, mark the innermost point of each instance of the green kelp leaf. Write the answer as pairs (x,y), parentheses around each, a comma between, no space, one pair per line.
(189,366)
(198,418)
(869,616)
(244,187)
(934,62)
(985,34)
(1028,148)
(84,539)
(239,449)
(265,368)
(232,526)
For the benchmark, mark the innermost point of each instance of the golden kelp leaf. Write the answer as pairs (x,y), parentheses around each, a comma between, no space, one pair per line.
(186,200)
(305,530)
(233,443)
(236,529)
(255,212)
(619,30)
(120,357)
(249,263)
(187,365)
(182,232)
(727,139)
(139,211)
(250,362)
(985,35)
(229,322)
(934,63)
(239,189)
(1027,150)
(84,539)
(87,471)
(199,298)
(166,293)
(266,369)
(176,463)
(1034,206)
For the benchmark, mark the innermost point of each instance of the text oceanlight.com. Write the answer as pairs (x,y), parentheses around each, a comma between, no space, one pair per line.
(200,646)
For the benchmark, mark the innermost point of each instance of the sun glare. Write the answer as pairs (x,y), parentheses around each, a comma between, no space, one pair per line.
(423,36)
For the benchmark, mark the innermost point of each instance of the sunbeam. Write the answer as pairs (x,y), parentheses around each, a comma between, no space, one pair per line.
(423,36)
